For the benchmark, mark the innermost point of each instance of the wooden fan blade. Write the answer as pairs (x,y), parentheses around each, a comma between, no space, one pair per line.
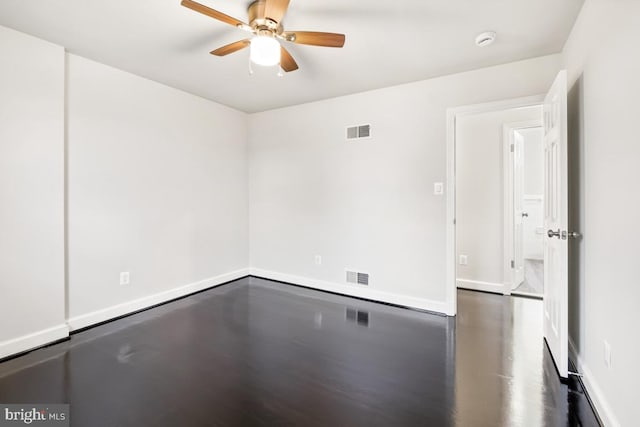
(315,38)
(212,13)
(231,47)
(286,60)
(275,9)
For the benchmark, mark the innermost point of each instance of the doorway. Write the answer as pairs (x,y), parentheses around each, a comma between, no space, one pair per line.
(499,177)
(454,115)
(524,207)
(555,247)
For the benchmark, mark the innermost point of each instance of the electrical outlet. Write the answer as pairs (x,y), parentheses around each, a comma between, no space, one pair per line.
(607,354)
(438,188)
(124,278)
(463,260)
(318,260)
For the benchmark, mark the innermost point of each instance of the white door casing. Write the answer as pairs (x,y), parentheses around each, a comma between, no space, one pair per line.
(518,210)
(509,133)
(450,192)
(556,222)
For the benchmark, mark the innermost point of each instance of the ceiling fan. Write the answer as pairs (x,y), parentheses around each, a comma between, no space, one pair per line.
(265,23)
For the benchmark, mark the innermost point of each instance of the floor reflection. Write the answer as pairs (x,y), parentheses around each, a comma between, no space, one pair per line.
(504,374)
(257,352)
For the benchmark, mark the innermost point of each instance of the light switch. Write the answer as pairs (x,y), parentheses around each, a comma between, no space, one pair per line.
(125,279)
(438,188)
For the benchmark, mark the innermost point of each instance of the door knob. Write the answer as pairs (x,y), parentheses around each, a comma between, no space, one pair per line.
(525,215)
(552,233)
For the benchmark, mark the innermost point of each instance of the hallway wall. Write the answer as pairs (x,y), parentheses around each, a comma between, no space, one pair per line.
(603,67)
(31,192)
(480,196)
(157,187)
(367,204)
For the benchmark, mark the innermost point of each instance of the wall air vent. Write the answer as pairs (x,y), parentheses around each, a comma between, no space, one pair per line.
(357,278)
(358,132)
(352,277)
(363,279)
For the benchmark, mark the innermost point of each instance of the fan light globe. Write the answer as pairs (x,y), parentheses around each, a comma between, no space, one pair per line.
(265,51)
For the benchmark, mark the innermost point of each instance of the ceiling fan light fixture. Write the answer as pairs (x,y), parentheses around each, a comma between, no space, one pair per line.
(265,51)
(265,25)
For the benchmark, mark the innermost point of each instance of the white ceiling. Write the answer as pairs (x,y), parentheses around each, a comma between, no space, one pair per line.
(387,42)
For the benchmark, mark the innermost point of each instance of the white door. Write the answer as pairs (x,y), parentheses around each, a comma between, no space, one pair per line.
(555,222)
(518,210)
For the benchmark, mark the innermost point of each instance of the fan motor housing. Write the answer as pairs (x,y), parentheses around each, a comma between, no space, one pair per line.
(255,10)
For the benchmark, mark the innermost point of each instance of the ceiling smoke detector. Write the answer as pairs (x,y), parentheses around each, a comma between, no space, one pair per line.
(485,39)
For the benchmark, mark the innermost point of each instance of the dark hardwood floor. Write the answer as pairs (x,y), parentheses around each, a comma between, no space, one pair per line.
(255,352)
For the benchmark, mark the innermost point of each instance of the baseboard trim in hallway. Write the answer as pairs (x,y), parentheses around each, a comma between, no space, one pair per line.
(404,307)
(422,304)
(26,343)
(21,345)
(592,389)
(235,276)
(476,285)
(117,311)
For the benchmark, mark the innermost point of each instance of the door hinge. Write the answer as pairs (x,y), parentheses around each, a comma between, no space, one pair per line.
(512,148)
(513,264)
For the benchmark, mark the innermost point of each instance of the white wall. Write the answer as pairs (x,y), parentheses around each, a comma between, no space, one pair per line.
(604,70)
(533,225)
(367,205)
(480,194)
(31,192)
(156,186)
(533,160)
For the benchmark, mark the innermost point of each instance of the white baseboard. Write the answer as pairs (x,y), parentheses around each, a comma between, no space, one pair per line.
(355,291)
(593,389)
(476,285)
(31,341)
(88,319)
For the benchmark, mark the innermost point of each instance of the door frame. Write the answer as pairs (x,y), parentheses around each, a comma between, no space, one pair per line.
(451,300)
(508,130)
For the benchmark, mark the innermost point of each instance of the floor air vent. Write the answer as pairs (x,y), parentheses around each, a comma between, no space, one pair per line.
(357,278)
(358,132)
